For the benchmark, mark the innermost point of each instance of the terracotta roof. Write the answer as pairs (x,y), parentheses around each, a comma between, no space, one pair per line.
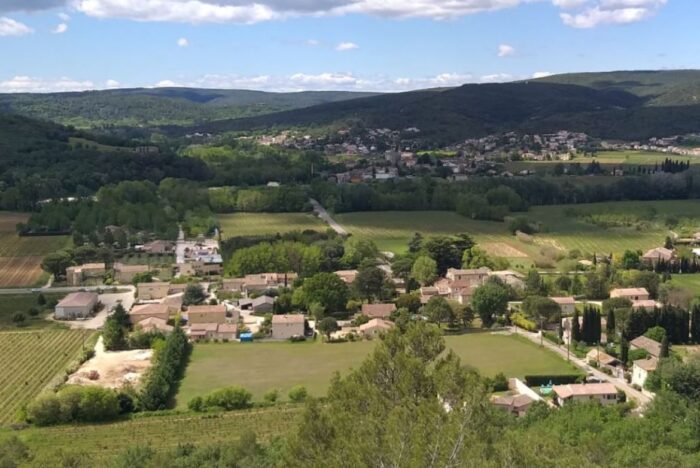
(567,300)
(645,304)
(291,318)
(377,323)
(227,328)
(149,309)
(601,357)
(77,299)
(629,292)
(157,284)
(207,309)
(649,364)
(591,389)
(513,401)
(204,327)
(155,322)
(651,346)
(378,310)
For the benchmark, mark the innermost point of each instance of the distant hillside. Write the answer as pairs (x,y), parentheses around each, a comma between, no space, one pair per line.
(160,106)
(659,88)
(623,105)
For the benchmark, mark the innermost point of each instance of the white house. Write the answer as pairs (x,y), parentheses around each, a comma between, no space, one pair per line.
(641,369)
(76,305)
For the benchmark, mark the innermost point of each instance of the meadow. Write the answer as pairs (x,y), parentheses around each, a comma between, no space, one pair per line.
(10,304)
(607,159)
(261,367)
(20,257)
(97,444)
(252,224)
(601,227)
(30,360)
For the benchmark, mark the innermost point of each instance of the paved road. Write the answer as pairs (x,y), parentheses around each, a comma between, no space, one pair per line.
(323,214)
(622,384)
(65,289)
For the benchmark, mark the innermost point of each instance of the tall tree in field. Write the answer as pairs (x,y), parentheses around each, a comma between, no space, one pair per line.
(438,310)
(490,300)
(369,281)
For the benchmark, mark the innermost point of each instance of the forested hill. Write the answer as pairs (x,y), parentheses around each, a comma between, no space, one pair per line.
(474,110)
(160,106)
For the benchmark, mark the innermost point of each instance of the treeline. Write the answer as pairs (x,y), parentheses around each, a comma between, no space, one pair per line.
(168,364)
(490,197)
(288,198)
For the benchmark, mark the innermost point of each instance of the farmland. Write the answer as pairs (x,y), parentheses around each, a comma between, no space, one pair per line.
(100,442)
(603,227)
(11,304)
(254,224)
(29,362)
(20,257)
(260,367)
(607,159)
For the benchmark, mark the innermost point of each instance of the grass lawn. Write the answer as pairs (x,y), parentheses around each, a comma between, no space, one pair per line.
(391,230)
(254,224)
(260,367)
(689,282)
(10,304)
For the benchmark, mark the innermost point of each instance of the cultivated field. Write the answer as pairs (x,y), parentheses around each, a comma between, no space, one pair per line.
(252,224)
(99,443)
(630,225)
(607,159)
(261,367)
(29,361)
(20,257)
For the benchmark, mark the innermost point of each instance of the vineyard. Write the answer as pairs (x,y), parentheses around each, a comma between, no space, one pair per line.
(20,257)
(254,224)
(99,443)
(29,361)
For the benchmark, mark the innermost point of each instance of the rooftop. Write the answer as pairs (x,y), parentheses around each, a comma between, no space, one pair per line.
(591,389)
(150,309)
(378,310)
(649,364)
(288,319)
(78,299)
(651,346)
(207,309)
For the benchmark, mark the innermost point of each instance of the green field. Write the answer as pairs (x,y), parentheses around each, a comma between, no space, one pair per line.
(13,303)
(98,443)
(254,224)
(640,225)
(689,282)
(30,360)
(260,367)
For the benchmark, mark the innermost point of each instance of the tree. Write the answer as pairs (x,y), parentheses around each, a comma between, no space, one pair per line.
(630,260)
(19,318)
(298,394)
(596,287)
(624,350)
(327,290)
(463,314)
(534,285)
(664,353)
(575,327)
(416,243)
(357,250)
(445,252)
(41,299)
(489,300)
(327,326)
(424,270)
(115,331)
(656,333)
(695,323)
(610,325)
(370,280)
(410,302)
(476,258)
(541,309)
(194,295)
(563,283)
(56,263)
(438,310)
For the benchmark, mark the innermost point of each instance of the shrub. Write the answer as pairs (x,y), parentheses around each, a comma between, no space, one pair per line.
(34,311)
(298,394)
(196,404)
(519,320)
(44,411)
(75,404)
(271,396)
(499,382)
(543,379)
(229,398)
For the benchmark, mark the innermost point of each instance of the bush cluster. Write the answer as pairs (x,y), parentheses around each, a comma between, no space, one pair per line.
(74,404)
(168,363)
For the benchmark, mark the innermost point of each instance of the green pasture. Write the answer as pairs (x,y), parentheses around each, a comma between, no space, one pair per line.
(255,224)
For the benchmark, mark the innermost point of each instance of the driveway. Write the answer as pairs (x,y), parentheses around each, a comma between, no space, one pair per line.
(109,301)
(621,384)
(323,214)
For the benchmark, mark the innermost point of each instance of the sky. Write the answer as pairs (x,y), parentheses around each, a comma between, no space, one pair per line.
(356,45)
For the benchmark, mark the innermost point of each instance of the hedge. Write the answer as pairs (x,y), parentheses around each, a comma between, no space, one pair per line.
(563,379)
(168,365)
(519,320)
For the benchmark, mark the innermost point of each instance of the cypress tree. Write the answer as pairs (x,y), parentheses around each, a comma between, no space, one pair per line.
(695,323)
(610,325)
(624,350)
(597,328)
(664,347)
(585,325)
(575,328)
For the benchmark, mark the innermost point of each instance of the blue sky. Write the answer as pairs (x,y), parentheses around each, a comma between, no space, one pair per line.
(385,45)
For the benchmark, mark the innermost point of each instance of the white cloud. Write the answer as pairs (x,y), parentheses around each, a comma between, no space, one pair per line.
(64,16)
(168,84)
(10,27)
(569,3)
(541,74)
(505,50)
(612,12)
(111,84)
(28,84)
(312,42)
(60,29)
(496,78)
(345,46)
(183,42)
